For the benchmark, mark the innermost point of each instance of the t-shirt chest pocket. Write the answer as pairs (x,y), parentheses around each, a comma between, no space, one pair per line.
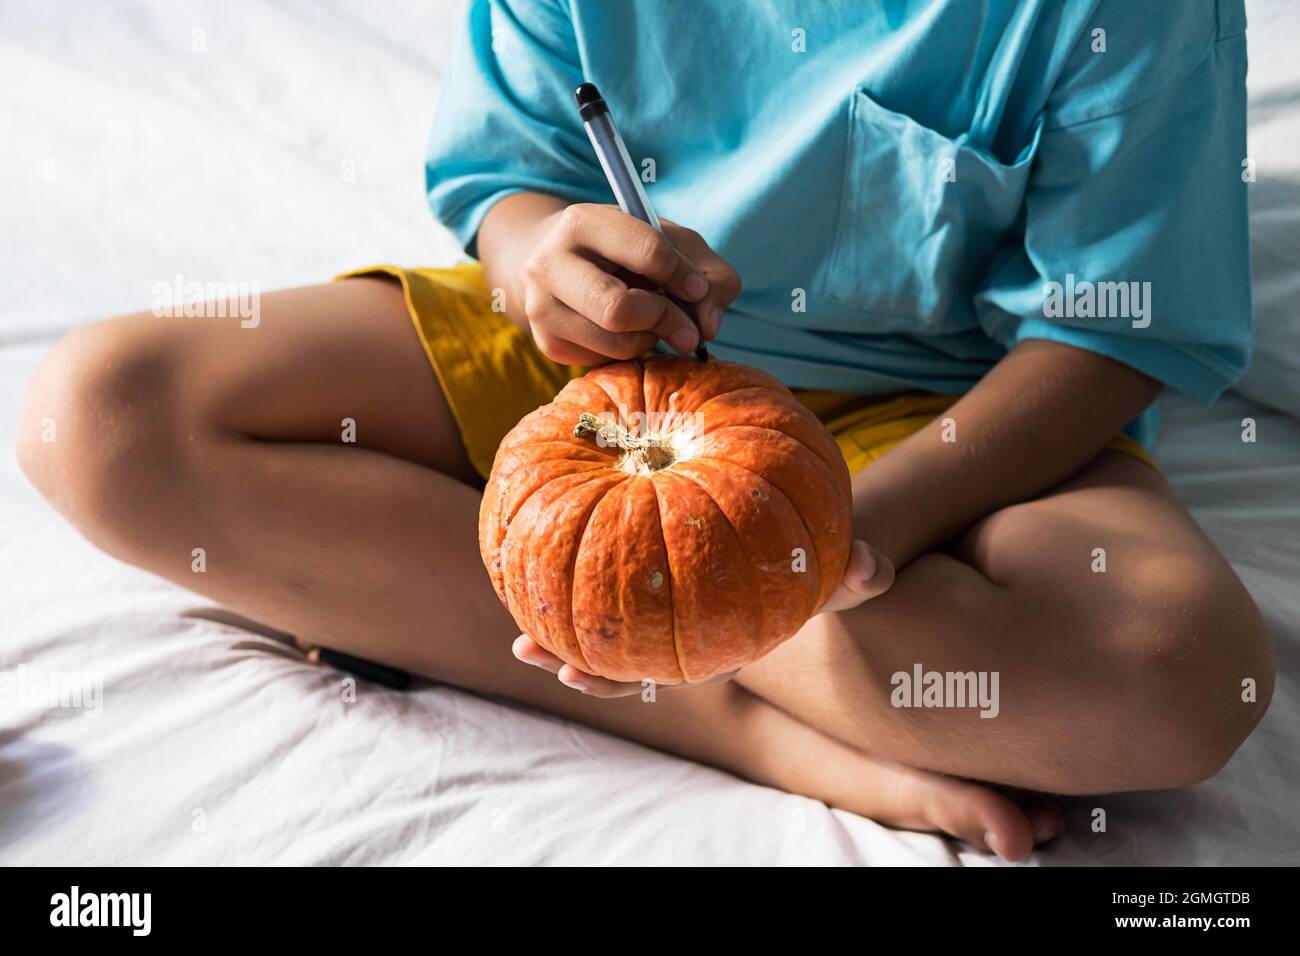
(920,217)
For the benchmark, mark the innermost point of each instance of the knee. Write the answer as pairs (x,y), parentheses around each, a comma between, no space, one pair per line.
(92,429)
(1190,672)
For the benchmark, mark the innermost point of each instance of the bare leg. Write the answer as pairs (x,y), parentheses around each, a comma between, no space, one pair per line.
(176,434)
(1122,679)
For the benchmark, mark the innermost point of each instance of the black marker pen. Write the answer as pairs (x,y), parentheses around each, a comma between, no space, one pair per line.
(622,177)
(380,674)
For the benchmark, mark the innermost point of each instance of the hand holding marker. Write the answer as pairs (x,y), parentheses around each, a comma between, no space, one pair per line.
(622,176)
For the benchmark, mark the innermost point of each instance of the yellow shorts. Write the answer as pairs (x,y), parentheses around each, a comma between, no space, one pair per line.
(493,375)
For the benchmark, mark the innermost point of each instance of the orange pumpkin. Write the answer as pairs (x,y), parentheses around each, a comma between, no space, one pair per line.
(671,520)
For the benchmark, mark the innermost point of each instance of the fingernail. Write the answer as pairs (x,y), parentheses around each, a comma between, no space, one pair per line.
(993,842)
(534,662)
(869,567)
(579,686)
(684,340)
(696,285)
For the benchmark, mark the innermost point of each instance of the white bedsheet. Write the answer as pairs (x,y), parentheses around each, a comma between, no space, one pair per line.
(129,157)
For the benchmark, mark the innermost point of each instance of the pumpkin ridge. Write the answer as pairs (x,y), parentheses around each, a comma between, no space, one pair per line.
(784,494)
(510,443)
(782,391)
(752,377)
(749,567)
(602,461)
(503,529)
(768,479)
(580,405)
(668,560)
(640,381)
(586,523)
(668,578)
(584,453)
(565,401)
(573,568)
(710,431)
(522,541)
(775,431)
(591,472)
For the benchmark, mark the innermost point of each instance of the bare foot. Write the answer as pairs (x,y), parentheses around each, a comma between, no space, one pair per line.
(980,814)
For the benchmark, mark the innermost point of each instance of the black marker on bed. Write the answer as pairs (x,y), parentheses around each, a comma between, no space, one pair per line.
(622,177)
(380,674)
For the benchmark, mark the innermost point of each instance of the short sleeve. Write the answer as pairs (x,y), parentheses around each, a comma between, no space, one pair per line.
(1136,241)
(506,120)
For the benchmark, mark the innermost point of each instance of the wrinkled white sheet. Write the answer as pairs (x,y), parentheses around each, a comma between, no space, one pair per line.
(129,157)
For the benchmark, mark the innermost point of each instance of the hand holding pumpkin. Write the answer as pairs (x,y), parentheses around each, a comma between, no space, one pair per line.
(671,520)
(869,574)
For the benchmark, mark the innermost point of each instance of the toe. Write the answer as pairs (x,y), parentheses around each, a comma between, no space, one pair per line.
(981,816)
(1046,819)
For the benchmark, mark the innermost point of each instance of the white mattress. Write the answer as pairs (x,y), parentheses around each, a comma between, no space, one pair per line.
(217,745)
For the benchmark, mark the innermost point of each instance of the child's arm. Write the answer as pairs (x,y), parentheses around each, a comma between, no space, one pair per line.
(1040,415)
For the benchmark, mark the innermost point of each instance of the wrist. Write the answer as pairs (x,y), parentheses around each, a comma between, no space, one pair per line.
(530,237)
(896,511)
(508,236)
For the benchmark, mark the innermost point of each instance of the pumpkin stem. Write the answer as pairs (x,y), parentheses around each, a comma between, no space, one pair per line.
(640,454)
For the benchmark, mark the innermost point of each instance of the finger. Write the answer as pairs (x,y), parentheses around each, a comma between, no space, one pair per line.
(529,651)
(677,328)
(597,295)
(724,281)
(711,322)
(609,232)
(867,575)
(564,352)
(600,687)
(563,334)
(609,303)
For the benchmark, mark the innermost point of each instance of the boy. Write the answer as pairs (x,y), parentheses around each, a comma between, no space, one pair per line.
(908,190)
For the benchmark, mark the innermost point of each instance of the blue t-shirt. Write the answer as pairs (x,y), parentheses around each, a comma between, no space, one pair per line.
(907,189)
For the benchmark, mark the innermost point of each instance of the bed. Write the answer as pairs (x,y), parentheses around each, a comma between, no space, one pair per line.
(280,143)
